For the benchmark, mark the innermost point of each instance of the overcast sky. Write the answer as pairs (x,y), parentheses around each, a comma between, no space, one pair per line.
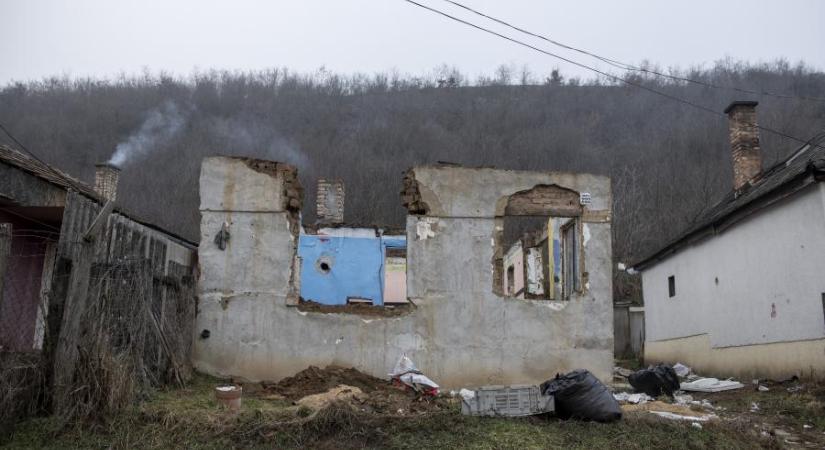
(40,38)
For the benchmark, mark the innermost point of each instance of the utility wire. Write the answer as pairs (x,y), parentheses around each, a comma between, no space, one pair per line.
(48,166)
(605,74)
(631,67)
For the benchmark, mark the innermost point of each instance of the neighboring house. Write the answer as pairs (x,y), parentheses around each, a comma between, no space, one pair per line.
(742,291)
(64,246)
(461,327)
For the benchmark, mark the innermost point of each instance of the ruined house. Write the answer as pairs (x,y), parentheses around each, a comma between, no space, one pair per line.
(71,260)
(741,292)
(461,325)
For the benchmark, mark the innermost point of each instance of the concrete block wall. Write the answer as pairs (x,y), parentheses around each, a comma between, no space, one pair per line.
(459,333)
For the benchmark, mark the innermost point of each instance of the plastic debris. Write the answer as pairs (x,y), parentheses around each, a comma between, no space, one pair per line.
(754,407)
(681,370)
(622,372)
(467,394)
(506,401)
(674,416)
(696,425)
(711,385)
(627,397)
(655,380)
(580,395)
(407,374)
(762,388)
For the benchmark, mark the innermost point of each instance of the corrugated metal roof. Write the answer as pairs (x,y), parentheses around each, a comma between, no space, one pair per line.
(808,158)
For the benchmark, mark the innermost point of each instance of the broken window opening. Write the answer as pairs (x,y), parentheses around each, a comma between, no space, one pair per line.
(542,259)
(538,250)
(352,267)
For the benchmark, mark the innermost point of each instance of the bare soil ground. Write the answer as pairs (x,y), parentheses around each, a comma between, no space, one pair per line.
(380,396)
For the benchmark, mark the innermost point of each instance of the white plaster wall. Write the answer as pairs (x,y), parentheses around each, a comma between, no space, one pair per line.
(515,258)
(771,276)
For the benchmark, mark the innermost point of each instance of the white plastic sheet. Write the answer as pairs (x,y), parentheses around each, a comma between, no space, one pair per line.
(711,385)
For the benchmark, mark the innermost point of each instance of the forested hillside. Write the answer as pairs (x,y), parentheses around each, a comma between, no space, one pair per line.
(667,159)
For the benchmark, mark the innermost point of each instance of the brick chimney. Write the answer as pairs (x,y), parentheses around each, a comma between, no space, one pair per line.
(106,176)
(744,142)
(330,201)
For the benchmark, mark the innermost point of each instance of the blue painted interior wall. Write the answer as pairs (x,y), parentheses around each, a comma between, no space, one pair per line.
(356,267)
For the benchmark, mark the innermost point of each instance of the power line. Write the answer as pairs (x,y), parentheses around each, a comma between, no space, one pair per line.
(631,67)
(36,158)
(605,74)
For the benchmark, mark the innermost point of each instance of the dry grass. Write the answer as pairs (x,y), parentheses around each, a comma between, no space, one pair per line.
(192,418)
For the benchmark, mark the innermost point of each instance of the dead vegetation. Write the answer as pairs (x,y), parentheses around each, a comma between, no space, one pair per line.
(269,419)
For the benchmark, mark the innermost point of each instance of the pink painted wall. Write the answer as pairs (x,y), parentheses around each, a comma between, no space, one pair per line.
(395,280)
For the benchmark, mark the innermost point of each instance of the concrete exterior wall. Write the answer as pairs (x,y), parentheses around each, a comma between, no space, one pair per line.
(759,282)
(459,333)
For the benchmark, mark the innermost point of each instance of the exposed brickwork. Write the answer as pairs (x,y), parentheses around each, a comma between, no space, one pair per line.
(744,143)
(293,191)
(411,196)
(106,177)
(544,200)
(330,201)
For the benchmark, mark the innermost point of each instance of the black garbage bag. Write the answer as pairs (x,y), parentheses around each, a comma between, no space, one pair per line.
(580,395)
(655,380)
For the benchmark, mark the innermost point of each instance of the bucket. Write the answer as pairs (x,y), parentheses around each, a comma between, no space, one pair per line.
(229,396)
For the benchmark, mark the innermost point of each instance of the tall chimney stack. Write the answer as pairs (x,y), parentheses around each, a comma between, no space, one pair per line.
(744,142)
(330,201)
(106,176)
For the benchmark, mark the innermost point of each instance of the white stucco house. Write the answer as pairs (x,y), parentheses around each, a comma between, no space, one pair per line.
(742,291)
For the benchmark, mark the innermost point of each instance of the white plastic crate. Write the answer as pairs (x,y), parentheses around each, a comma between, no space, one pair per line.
(511,401)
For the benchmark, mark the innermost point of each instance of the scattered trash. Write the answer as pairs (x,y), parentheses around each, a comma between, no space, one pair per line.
(762,388)
(807,426)
(673,416)
(229,396)
(684,399)
(681,370)
(796,388)
(510,401)
(711,385)
(407,374)
(655,380)
(781,433)
(466,394)
(696,425)
(319,401)
(632,398)
(580,395)
(622,372)
(754,407)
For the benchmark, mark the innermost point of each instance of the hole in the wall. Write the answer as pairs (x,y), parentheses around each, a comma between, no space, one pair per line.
(324,264)
(540,257)
(540,238)
(205,334)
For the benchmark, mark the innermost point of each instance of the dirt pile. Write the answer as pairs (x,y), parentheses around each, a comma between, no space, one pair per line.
(378,396)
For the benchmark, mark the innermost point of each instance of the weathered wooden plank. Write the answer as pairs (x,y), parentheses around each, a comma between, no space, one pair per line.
(97,223)
(5,253)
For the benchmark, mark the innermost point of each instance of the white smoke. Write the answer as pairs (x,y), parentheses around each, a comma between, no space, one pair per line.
(160,125)
(254,138)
